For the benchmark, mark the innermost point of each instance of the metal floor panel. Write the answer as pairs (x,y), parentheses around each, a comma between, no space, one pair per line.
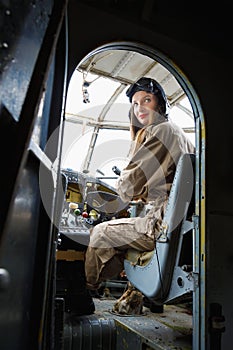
(171,329)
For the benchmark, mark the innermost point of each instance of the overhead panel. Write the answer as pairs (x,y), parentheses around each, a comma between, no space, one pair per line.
(128,66)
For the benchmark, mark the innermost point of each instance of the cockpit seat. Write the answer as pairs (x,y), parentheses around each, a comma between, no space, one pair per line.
(165,274)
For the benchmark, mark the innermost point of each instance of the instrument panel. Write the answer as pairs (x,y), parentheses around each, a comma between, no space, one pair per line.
(88,201)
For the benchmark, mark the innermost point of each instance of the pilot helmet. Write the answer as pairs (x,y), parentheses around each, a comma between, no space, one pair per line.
(152,86)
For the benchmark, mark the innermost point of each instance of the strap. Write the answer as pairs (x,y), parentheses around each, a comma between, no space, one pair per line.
(69,255)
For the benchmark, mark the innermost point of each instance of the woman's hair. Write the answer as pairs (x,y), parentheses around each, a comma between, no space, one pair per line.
(135,125)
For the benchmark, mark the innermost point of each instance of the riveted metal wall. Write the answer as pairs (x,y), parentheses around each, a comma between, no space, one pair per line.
(30,40)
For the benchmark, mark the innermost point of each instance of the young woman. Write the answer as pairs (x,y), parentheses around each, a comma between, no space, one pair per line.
(157,147)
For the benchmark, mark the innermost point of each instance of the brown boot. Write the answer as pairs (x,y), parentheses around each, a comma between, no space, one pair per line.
(130,303)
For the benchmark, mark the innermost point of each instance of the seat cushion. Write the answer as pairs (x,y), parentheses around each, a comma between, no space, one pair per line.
(139,258)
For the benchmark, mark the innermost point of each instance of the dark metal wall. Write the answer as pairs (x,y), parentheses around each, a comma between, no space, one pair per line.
(32,50)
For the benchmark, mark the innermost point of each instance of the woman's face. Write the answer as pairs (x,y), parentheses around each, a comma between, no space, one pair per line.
(144,106)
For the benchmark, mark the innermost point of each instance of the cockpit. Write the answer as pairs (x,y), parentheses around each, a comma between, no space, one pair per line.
(96,143)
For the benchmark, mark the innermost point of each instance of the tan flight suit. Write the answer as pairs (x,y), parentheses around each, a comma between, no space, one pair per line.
(148,177)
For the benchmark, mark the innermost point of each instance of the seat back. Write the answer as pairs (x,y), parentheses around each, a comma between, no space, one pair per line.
(166,276)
